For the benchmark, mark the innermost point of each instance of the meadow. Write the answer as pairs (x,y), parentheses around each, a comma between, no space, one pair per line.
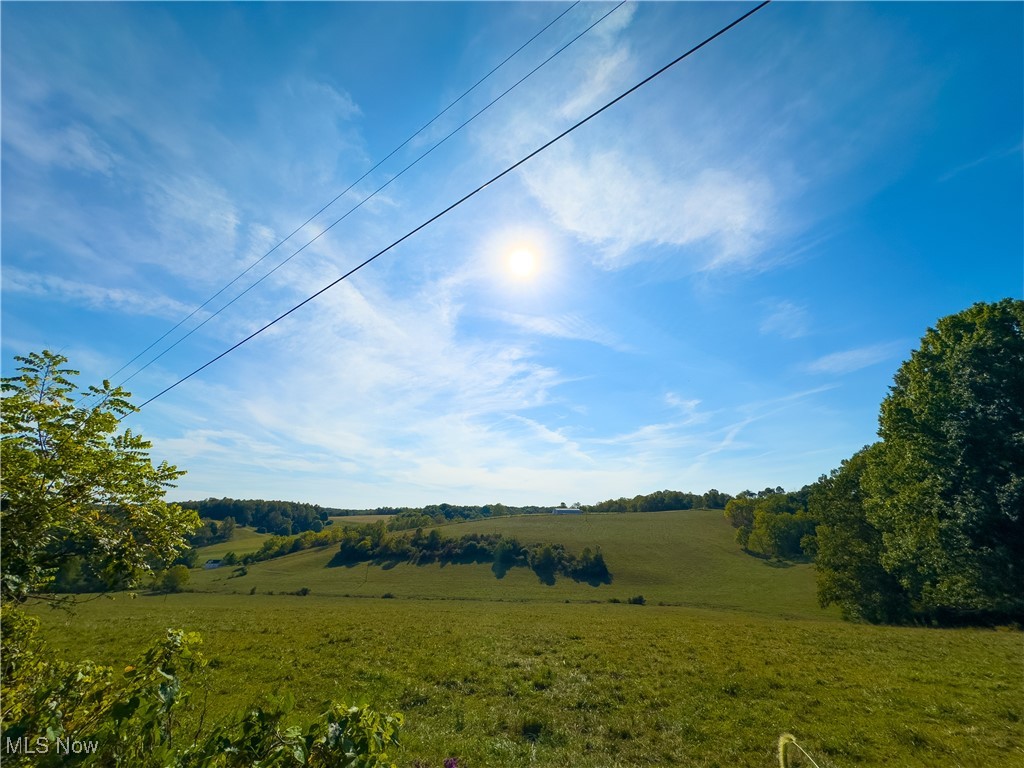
(727,653)
(243,540)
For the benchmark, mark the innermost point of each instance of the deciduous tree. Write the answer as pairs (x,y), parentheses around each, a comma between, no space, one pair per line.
(929,522)
(946,485)
(849,559)
(75,486)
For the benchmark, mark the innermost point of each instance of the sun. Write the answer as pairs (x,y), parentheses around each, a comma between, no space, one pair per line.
(521,263)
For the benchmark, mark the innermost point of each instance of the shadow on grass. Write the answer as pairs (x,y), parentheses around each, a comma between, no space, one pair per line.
(776,563)
(547,577)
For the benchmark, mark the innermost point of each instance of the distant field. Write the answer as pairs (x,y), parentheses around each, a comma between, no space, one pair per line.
(358,519)
(243,540)
(510,672)
(682,558)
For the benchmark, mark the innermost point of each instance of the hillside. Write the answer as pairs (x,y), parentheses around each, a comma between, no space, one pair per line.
(243,540)
(555,676)
(678,558)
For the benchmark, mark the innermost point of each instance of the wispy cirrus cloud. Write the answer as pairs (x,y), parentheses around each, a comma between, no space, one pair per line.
(98,297)
(73,147)
(785,319)
(566,326)
(850,360)
(995,154)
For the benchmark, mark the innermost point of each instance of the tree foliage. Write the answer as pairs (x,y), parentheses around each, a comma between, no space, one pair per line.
(174,578)
(279,517)
(661,501)
(75,489)
(934,513)
(373,543)
(773,523)
(849,548)
(408,518)
(82,501)
(946,486)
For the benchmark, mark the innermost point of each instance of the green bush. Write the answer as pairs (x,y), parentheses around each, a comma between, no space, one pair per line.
(174,578)
(135,717)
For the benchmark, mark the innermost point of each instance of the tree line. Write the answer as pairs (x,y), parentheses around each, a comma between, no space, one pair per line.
(278,517)
(375,543)
(661,501)
(407,518)
(926,524)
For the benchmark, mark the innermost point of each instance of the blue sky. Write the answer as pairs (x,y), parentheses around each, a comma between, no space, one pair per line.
(728,266)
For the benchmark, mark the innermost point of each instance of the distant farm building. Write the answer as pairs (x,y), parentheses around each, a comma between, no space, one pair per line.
(209,565)
(564,511)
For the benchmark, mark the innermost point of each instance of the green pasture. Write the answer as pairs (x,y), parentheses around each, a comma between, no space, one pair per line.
(680,558)
(358,519)
(243,541)
(728,653)
(546,684)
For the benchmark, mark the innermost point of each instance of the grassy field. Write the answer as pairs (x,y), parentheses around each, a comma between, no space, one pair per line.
(358,519)
(243,540)
(682,558)
(506,672)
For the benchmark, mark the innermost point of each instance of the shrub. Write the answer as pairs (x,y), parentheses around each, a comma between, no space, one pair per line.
(134,717)
(174,578)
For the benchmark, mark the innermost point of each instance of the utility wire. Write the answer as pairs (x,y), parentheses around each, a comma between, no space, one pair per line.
(370,196)
(463,199)
(332,202)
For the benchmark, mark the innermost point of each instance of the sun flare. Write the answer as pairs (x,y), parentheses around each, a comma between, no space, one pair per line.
(521,263)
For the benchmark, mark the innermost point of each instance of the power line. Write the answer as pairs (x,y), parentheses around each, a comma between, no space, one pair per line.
(368,197)
(463,199)
(328,205)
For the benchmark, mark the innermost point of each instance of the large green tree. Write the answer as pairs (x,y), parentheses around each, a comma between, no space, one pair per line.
(76,488)
(946,488)
(933,515)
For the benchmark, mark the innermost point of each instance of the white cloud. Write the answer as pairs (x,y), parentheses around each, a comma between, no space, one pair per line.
(567,326)
(621,202)
(126,300)
(785,319)
(600,77)
(194,228)
(996,154)
(848,361)
(687,407)
(73,147)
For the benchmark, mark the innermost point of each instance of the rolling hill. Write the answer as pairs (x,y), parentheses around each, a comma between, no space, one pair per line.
(677,558)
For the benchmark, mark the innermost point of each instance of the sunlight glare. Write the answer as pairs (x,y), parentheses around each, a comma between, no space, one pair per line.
(521,263)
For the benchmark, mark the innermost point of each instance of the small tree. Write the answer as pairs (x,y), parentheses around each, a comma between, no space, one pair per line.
(73,487)
(82,502)
(174,578)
